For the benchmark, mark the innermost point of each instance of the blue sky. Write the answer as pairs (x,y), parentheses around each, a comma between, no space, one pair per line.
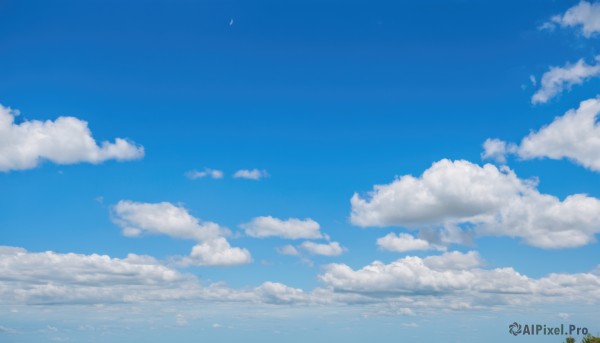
(458,110)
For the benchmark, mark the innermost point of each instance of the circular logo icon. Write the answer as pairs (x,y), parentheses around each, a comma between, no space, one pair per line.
(514,328)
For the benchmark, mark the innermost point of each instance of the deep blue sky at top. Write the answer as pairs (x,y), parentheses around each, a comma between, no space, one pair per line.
(331,97)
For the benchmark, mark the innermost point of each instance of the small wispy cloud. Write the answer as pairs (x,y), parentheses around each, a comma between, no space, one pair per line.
(251,174)
(328,249)
(533,80)
(289,250)
(207,172)
(291,228)
(5,329)
(585,16)
(558,79)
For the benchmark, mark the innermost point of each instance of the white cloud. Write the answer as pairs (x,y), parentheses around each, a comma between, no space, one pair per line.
(585,15)
(406,286)
(544,221)
(497,150)
(278,293)
(404,242)
(289,250)
(532,80)
(137,218)
(251,174)
(50,277)
(558,79)
(487,200)
(575,136)
(454,260)
(55,278)
(442,277)
(447,190)
(165,218)
(217,252)
(325,249)
(66,140)
(292,228)
(207,172)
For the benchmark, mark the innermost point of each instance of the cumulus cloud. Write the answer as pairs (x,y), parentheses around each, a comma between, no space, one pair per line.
(136,218)
(325,249)
(66,140)
(448,190)
(165,218)
(584,15)
(574,136)
(450,281)
(207,172)
(485,199)
(292,228)
(544,221)
(404,242)
(558,79)
(217,252)
(251,174)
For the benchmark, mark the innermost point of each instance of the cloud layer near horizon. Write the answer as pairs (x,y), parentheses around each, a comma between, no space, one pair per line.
(451,280)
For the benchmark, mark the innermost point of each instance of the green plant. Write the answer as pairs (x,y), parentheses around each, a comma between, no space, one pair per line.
(590,339)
